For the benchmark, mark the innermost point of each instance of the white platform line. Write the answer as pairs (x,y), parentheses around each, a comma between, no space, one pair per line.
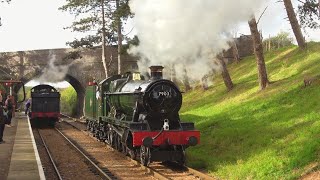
(41,173)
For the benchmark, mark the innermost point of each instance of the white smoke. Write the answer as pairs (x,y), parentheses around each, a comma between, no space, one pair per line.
(189,32)
(53,73)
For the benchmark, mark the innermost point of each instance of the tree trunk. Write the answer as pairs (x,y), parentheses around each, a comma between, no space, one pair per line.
(173,74)
(235,51)
(269,44)
(204,81)
(294,23)
(104,53)
(258,51)
(225,74)
(119,25)
(186,79)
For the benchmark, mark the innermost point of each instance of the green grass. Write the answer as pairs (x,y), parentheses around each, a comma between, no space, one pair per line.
(252,134)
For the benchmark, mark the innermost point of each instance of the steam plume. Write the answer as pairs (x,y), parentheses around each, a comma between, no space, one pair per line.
(189,32)
(53,73)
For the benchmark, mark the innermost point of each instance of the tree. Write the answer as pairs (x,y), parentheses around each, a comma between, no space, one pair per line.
(235,51)
(225,74)
(309,12)
(204,81)
(282,39)
(258,51)
(173,74)
(104,17)
(294,24)
(119,26)
(103,34)
(186,82)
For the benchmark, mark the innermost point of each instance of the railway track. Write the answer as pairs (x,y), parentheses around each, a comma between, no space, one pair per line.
(56,171)
(104,173)
(48,165)
(70,162)
(105,157)
(158,170)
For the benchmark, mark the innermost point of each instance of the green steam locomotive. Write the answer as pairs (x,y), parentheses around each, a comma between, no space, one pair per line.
(139,117)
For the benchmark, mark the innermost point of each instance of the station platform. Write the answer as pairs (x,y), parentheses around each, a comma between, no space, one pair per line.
(19,155)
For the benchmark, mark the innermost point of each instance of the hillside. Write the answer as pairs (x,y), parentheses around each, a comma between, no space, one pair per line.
(252,134)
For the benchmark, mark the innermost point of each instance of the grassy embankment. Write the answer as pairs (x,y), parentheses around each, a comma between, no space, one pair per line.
(252,134)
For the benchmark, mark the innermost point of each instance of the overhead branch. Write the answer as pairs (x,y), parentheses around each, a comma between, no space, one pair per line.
(129,31)
(262,14)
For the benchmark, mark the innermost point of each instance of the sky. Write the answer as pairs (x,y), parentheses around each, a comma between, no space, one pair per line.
(38,24)
(33,24)
(63,84)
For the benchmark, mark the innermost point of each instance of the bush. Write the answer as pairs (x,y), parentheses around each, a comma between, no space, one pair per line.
(68,104)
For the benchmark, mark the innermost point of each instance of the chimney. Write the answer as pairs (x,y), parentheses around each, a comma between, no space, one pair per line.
(156,72)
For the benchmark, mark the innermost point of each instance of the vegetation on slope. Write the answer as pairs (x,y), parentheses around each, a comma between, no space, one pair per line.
(68,101)
(252,134)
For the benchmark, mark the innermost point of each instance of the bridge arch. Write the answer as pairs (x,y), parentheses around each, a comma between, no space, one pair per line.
(27,65)
(73,81)
(80,93)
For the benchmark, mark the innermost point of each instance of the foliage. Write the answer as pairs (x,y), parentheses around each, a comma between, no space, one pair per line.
(87,42)
(68,104)
(309,14)
(72,55)
(130,42)
(134,41)
(252,134)
(89,19)
(282,39)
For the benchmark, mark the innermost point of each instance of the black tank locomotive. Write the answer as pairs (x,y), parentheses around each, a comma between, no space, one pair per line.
(45,105)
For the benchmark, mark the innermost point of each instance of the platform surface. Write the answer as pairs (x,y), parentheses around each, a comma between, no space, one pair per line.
(19,154)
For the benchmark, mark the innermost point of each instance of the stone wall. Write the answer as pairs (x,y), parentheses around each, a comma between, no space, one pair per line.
(245,48)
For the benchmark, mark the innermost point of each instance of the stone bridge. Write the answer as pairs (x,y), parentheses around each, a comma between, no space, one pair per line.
(55,65)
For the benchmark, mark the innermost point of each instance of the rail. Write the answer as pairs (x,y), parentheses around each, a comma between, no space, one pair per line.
(99,170)
(50,156)
(156,173)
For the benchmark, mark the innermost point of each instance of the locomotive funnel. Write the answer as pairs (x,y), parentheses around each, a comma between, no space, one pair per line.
(156,72)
